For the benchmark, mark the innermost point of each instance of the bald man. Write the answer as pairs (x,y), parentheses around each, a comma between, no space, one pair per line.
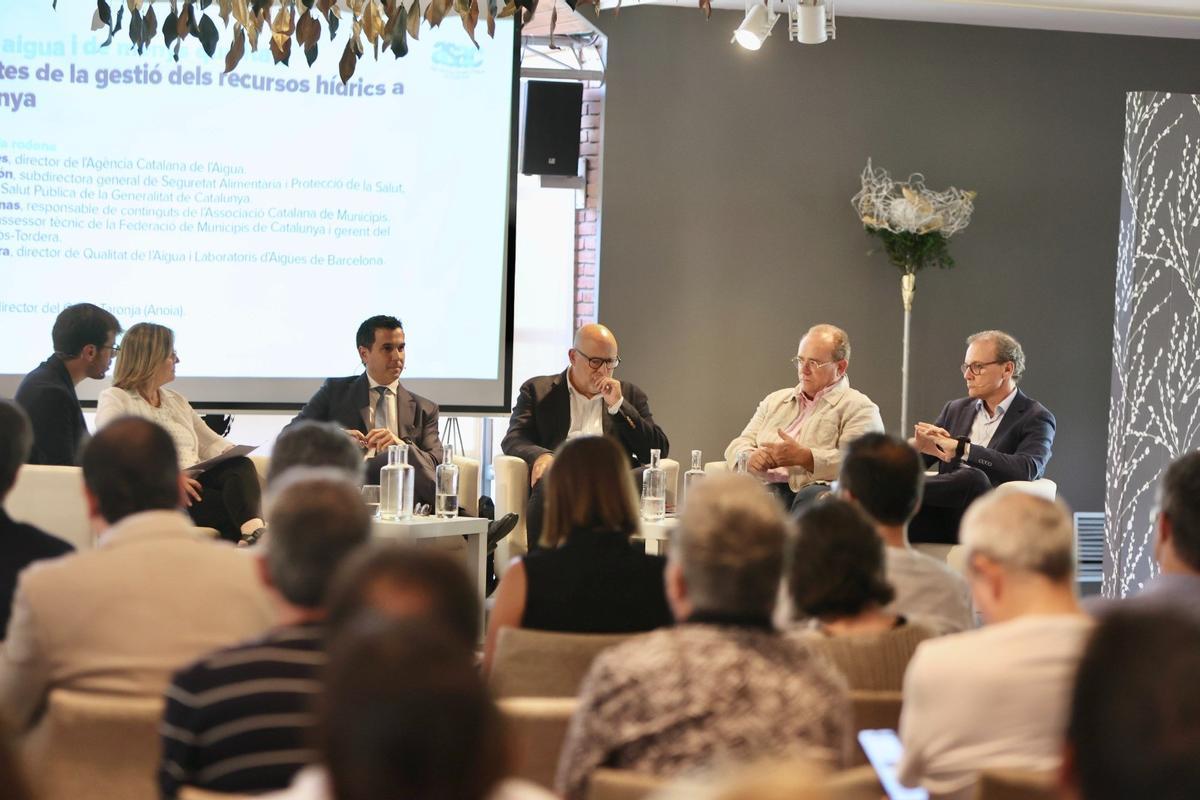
(585,399)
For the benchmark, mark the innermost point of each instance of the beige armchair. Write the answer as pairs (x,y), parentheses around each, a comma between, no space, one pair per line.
(530,663)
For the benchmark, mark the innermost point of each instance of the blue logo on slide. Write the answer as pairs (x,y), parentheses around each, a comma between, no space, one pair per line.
(450,57)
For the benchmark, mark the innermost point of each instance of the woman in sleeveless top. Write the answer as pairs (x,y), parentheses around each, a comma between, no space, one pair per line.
(586,577)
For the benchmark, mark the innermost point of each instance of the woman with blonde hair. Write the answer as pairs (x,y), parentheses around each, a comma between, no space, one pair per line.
(586,577)
(227,496)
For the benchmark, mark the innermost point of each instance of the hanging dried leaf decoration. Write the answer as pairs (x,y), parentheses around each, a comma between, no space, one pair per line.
(168,26)
(435,12)
(224,8)
(372,24)
(706,7)
(308,30)
(209,35)
(236,50)
(399,24)
(414,20)
(348,63)
(135,6)
(181,21)
(149,25)
(281,33)
(508,9)
(135,30)
(470,19)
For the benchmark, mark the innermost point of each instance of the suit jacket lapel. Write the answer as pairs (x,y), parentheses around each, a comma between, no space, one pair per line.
(406,412)
(560,398)
(360,402)
(1011,416)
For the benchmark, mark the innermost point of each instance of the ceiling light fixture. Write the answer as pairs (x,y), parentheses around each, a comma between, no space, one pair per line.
(809,22)
(756,27)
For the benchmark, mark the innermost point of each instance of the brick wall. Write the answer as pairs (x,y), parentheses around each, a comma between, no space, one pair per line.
(587,219)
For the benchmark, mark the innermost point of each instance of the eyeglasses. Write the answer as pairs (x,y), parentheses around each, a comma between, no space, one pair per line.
(809,363)
(116,348)
(976,367)
(597,363)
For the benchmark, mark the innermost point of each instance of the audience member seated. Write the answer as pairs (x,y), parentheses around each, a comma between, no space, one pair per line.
(238,720)
(1177,544)
(20,544)
(883,476)
(996,698)
(315,444)
(584,399)
(796,436)
(993,435)
(152,596)
(1134,724)
(837,583)
(84,337)
(404,714)
(226,496)
(586,577)
(723,686)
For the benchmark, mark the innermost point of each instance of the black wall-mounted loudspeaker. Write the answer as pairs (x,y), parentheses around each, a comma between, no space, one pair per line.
(552,113)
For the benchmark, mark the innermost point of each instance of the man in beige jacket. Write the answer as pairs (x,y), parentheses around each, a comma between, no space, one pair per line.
(154,594)
(795,439)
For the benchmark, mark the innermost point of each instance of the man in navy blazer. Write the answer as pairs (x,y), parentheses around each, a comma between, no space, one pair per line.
(376,411)
(585,399)
(84,337)
(994,435)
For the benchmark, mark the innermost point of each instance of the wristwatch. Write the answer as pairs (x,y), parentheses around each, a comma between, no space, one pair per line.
(961,449)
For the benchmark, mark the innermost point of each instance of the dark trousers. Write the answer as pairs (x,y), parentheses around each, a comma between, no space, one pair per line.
(230,495)
(945,500)
(796,502)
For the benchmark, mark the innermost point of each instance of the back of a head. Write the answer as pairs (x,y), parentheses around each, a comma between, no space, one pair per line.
(315,444)
(80,325)
(406,581)
(130,466)
(16,442)
(405,713)
(885,476)
(590,487)
(317,519)
(1180,503)
(1022,532)
(837,568)
(729,545)
(1134,725)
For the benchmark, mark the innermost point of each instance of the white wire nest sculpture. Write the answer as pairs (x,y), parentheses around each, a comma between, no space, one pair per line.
(910,206)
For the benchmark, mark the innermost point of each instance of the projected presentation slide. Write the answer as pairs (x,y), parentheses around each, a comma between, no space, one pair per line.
(262,214)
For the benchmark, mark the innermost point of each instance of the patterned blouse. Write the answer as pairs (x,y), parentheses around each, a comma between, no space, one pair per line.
(692,697)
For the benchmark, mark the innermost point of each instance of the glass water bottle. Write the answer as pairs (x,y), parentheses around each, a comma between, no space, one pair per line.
(693,476)
(654,490)
(446,477)
(396,485)
(741,465)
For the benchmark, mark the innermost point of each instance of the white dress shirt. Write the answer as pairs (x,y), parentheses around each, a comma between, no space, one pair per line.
(585,413)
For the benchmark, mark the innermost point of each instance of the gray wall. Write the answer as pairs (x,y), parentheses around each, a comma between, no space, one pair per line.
(727,226)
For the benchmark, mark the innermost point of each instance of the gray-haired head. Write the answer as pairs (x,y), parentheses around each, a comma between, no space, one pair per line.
(317,518)
(729,546)
(1021,532)
(315,444)
(1007,349)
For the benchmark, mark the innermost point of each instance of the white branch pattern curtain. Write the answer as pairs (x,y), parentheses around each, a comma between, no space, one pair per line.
(1155,411)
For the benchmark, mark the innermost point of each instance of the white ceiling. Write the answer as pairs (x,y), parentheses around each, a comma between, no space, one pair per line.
(1173,18)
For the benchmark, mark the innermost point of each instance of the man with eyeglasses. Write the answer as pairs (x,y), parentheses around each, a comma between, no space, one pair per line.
(585,399)
(84,337)
(795,439)
(995,434)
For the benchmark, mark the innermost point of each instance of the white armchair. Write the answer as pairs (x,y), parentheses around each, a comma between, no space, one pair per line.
(511,490)
(51,498)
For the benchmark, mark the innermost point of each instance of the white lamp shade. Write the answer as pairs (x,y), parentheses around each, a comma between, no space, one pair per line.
(755,28)
(811,24)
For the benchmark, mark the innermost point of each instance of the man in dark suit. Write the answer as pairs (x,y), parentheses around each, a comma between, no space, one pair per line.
(584,399)
(20,544)
(994,435)
(84,339)
(376,411)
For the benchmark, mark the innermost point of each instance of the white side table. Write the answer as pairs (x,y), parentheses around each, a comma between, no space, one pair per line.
(473,528)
